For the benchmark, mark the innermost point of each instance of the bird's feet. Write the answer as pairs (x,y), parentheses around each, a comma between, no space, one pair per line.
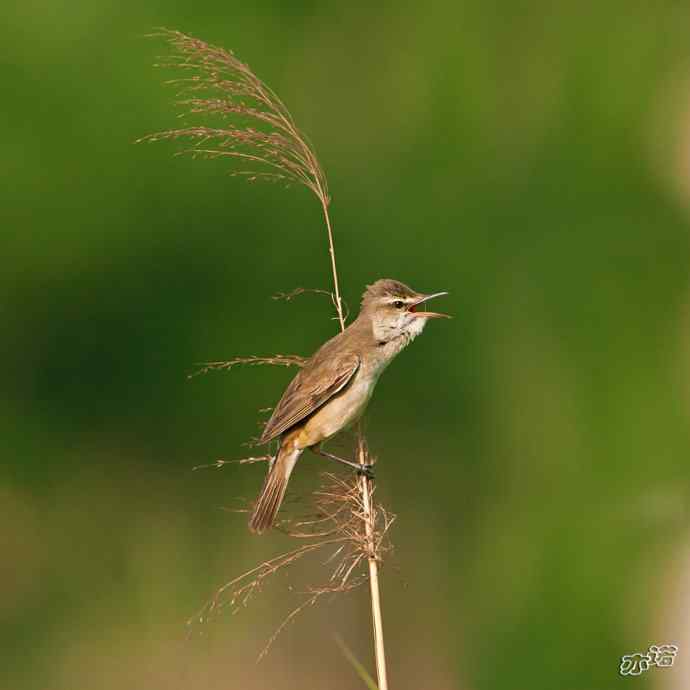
(366,470)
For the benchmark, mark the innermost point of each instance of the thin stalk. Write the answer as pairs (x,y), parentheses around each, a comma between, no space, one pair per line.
(377,619)
(331,250)
(367,488)
(283,153)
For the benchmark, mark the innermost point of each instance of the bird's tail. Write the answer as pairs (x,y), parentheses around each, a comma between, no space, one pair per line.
(273,491)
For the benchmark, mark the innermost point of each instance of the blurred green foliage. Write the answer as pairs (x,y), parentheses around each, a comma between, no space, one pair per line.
(523,156)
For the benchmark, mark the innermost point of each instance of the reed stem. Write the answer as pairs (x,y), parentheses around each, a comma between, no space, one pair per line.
(367,488)
(376,617)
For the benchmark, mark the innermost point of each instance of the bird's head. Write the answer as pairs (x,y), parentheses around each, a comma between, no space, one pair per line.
(396,311)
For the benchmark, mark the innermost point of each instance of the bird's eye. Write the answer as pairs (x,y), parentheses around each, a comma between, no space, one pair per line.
(398,304)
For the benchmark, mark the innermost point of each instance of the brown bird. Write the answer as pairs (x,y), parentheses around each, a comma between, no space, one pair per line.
(333,388)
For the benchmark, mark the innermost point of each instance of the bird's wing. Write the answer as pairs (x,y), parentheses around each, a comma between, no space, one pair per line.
(312,387)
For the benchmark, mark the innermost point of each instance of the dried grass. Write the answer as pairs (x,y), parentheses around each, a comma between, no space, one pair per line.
(254,360)
(254,129)
(332,530)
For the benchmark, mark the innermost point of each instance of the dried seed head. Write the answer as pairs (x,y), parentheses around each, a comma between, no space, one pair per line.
(256,129)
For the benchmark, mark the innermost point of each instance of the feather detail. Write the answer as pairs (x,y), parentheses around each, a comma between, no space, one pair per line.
(310,389)
(273,491)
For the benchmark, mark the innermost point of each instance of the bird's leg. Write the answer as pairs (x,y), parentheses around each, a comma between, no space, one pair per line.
(367,470)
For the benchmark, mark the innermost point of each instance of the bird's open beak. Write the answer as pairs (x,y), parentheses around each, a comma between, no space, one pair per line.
(412,309)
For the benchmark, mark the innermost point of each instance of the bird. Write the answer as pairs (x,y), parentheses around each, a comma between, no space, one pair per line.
(332,389)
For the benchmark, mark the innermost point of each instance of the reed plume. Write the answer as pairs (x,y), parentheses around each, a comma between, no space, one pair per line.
(256,132)
(257,129)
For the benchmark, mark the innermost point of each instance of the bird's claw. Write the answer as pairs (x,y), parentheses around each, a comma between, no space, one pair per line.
(366,470)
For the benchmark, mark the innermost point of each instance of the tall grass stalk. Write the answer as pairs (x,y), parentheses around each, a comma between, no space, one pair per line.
(257,131)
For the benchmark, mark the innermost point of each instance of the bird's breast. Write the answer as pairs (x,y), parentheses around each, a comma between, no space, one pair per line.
(342,410)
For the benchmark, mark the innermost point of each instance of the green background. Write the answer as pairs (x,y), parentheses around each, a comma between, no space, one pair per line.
(530,158)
